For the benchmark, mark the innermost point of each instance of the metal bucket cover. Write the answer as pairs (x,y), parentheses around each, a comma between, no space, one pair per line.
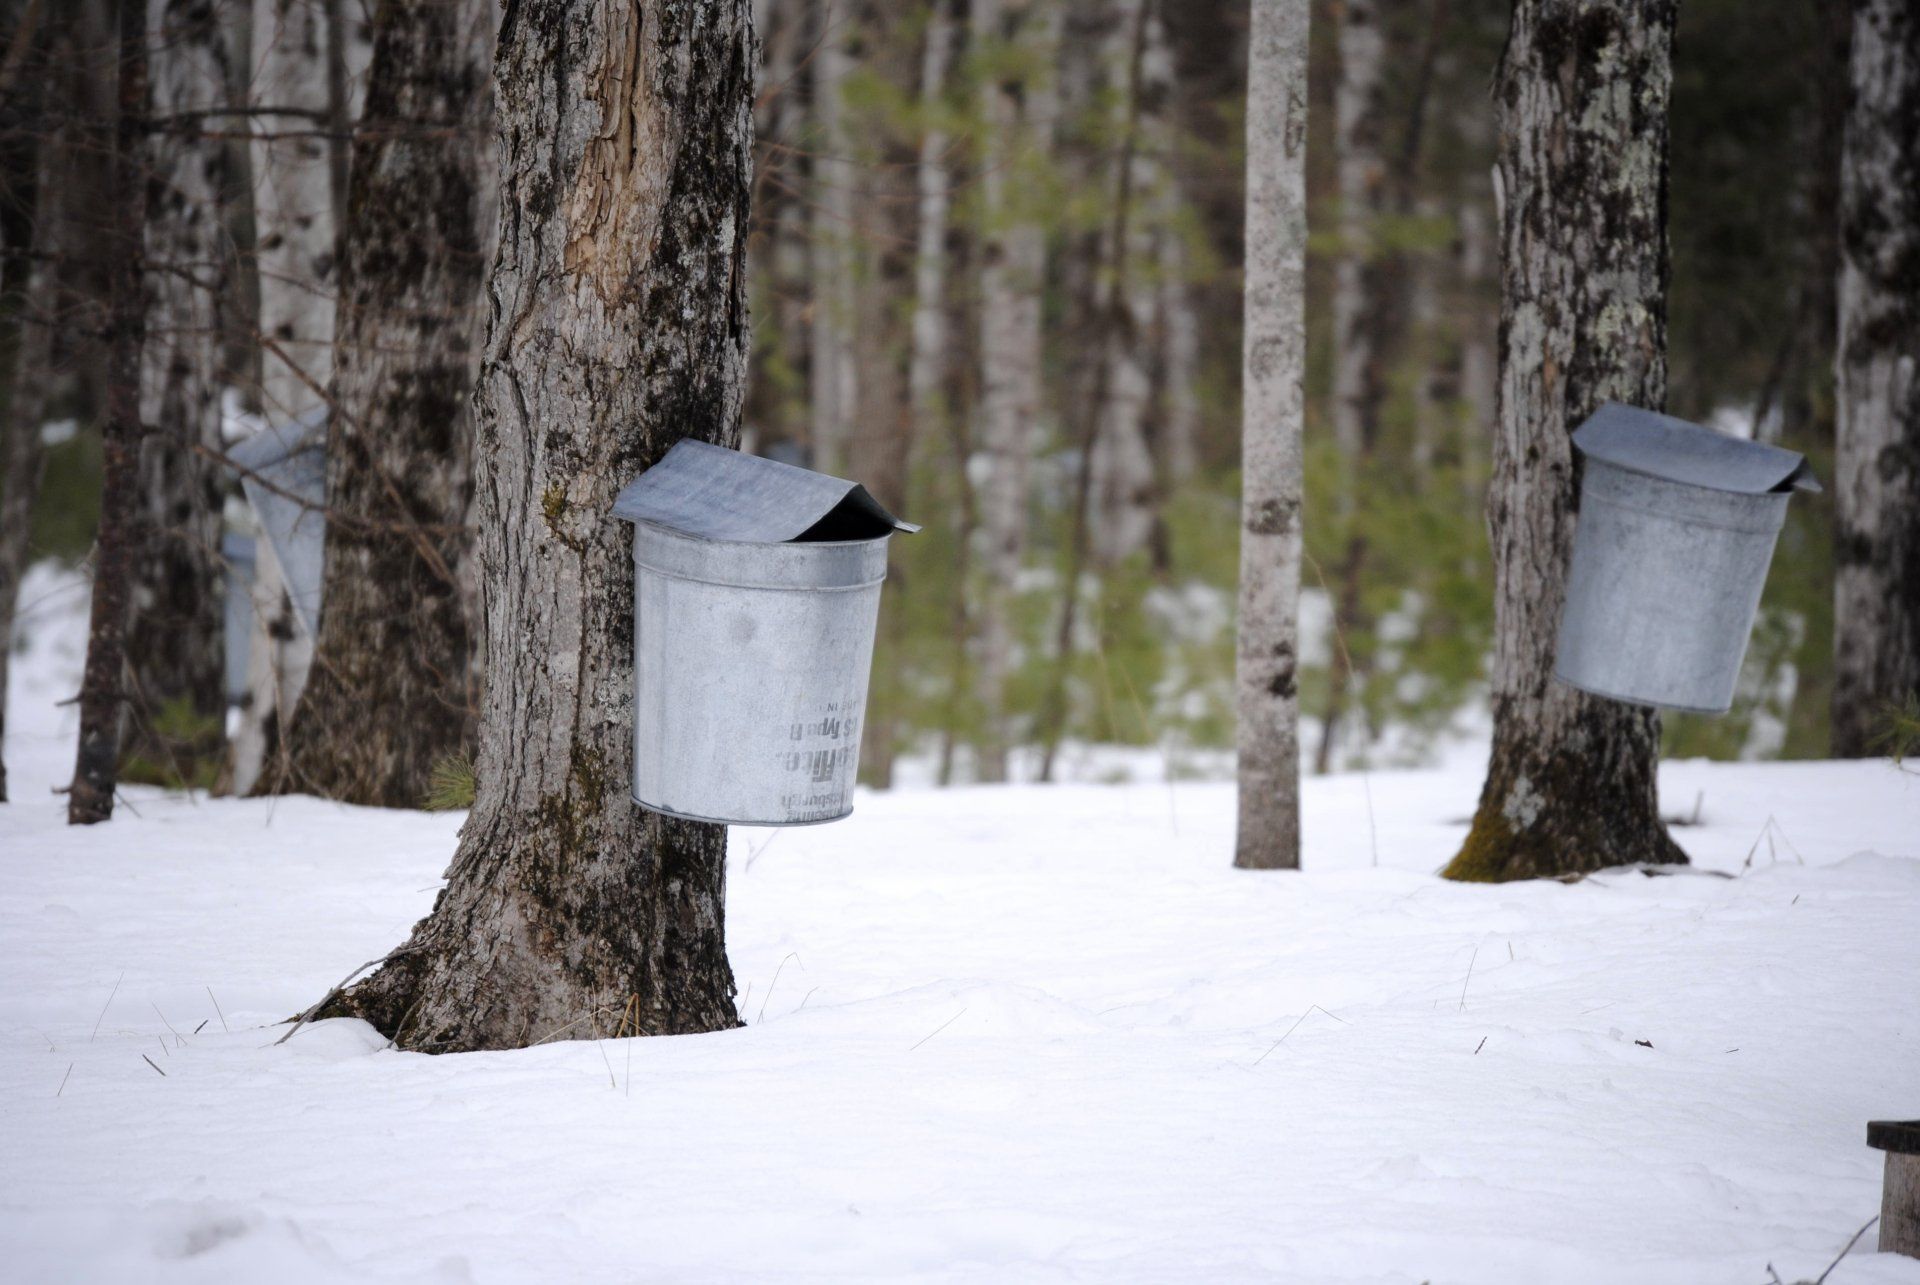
(712,493)
(1644,441)
(284,475)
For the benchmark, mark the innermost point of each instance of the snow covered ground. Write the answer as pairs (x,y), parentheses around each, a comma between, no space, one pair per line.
(1012,1034)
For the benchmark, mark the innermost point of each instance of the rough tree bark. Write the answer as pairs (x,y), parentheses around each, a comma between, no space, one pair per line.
(1018,39)
(96,767)
(296,88)
(1877,549)
(176,728)
(1582,180)
(390,693)
(617,326)
(1273,401)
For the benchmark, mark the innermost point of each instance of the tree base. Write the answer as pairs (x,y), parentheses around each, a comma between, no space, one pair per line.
(554,937)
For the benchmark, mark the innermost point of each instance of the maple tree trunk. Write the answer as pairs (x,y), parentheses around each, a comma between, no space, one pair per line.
(96,766)
(1582,185)
(391,690)
(1877,483)
(617,327)
(176,726)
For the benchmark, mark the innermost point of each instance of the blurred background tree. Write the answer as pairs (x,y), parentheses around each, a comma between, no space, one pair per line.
(995,274)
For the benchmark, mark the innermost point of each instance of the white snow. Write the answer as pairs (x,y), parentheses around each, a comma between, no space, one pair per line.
(996,1034)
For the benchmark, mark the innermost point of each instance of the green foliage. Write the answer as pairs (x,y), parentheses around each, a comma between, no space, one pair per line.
(187,750)
(1899,736)
(451,784)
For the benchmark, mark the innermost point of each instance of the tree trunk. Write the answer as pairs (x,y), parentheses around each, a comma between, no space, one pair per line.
(297,82)
(176,729)
(1273,408)
(1376,285)
(1126,490)
(1017,111)
(391,692)
(1112,510)
(1358,113)
(1582,180)
(833,379)
(27,394)
(927,369)
(1877,576)
(617,327)
(1177,326)
(96,766)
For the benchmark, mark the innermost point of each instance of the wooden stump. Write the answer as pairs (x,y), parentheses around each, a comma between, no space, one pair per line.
(1900,1199)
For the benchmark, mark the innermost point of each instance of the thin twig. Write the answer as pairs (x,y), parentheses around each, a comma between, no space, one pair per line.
(164,1022)
(936,1030)
(1469,980)
(323,1000)
(793,955)
(104,1007)
(63,1080)
(155,1065)
(1821,1279)
(216,1009)
(1311,1008)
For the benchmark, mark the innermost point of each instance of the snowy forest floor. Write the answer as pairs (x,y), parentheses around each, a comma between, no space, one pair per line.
(995,1034)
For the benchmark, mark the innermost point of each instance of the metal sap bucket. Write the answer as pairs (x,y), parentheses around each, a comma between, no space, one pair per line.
(756,593)
(236,555)
(1676,530)
(284,475)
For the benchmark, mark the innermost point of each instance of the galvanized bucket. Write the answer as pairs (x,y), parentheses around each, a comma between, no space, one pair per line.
(284,475)
(237,555)
(1676,530)
(756,594)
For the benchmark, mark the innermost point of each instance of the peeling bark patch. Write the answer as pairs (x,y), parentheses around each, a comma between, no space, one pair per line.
(620,188)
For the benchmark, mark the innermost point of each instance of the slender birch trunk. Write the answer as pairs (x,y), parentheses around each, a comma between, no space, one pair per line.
(102,702)
(1273,410)
(1877,577)
(1126,491)
(833,377)
(927,369)
(1359,127)
(392,689)
(617,327)
(1582,179)
(1112,510)
(1017,109)
(1378,174)
(881,440)
(176,729)
(298,82)
(1177,325)
(1358,124)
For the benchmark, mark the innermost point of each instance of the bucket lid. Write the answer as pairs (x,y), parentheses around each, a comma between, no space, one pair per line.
(713,493)
(285,478)
(1643,441)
